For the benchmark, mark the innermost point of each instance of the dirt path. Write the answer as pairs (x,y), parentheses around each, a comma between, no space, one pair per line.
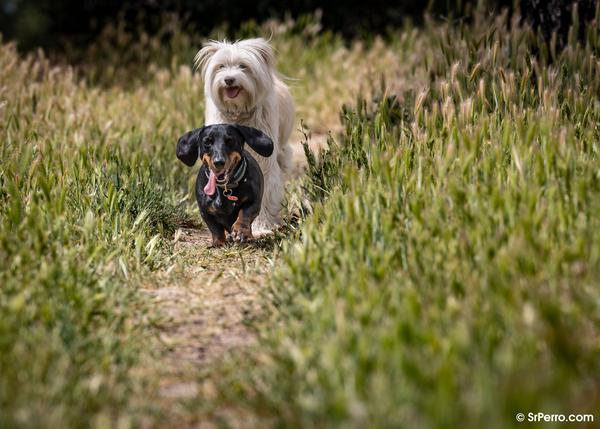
(201,316)
(204,314)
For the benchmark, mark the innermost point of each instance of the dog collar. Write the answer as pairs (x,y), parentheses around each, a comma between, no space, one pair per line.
(237,176)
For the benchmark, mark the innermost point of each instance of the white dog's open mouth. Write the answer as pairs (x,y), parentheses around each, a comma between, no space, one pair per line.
(232,91)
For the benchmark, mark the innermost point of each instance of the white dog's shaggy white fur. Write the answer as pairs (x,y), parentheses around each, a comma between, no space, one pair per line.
(241,86)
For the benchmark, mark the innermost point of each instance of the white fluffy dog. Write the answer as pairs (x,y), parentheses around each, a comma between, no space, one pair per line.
(241,86)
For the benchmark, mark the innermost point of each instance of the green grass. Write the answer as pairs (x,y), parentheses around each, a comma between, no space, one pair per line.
(89,200)
(446,276)
(449,275)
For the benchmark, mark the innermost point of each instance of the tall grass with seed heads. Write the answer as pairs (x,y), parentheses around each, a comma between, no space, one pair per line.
(90,197)
(449,275)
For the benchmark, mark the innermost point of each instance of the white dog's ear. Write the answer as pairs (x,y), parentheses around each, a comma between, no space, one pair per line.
(204,55)
(261,47)
(257,140)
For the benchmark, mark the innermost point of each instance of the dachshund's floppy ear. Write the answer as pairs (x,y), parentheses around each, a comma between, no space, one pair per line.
(187,147)
(257,140)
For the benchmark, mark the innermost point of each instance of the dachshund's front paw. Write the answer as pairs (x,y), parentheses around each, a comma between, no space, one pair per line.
(218,241)
(241,233)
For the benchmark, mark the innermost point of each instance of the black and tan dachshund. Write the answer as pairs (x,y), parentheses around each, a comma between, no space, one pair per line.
(229,186)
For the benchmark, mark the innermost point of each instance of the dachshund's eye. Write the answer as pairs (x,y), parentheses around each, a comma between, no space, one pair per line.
(228,140)
(207,141)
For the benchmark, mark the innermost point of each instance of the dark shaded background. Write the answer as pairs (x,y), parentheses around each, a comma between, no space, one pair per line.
(52,23)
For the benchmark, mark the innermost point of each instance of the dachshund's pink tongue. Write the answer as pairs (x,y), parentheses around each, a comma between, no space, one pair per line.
(209,189)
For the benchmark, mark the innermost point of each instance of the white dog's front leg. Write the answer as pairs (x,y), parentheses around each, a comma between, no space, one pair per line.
(268,219)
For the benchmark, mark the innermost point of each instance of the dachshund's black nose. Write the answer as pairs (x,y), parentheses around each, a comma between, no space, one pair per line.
(229,81)
(219,163)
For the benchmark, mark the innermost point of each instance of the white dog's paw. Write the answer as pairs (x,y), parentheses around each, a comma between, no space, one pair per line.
(261,227)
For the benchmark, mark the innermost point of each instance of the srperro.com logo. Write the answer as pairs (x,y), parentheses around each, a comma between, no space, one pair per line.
(545,417)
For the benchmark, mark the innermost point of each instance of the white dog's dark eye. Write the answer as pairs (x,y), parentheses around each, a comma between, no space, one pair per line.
(243,66)
(220,67)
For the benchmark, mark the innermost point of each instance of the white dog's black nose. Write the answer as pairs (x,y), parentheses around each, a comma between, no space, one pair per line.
(229,81)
